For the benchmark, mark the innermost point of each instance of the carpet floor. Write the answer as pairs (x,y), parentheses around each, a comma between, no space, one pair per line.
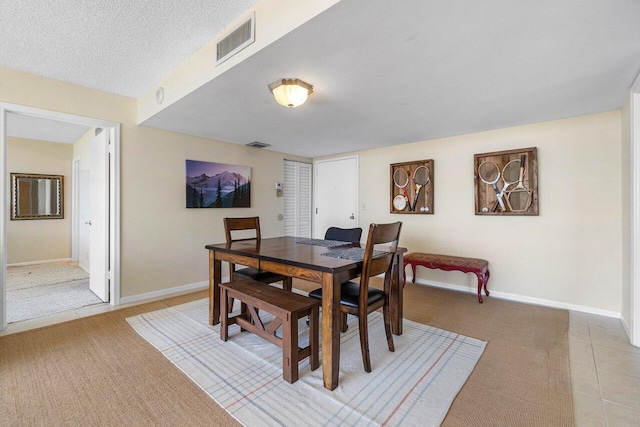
(99,371)
(40,290)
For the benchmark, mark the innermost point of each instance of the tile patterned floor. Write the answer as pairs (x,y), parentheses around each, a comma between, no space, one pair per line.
(605,368)
(605,372)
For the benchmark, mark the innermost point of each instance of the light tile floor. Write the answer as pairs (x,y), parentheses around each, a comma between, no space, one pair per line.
(605,372)
(605,367)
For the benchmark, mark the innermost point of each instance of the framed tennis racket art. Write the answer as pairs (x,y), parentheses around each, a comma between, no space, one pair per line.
(506,182)
(412,187)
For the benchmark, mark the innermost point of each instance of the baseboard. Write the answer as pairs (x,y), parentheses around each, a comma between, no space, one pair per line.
(48,261)
(522,298)
(169,292)
(626,327)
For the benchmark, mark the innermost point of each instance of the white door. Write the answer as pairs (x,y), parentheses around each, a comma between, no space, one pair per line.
(336,190)
(98,223)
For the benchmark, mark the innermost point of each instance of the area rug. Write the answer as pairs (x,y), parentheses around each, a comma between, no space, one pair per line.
(415,385)
(40,290)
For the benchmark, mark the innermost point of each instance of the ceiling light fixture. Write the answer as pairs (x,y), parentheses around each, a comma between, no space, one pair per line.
(290,92)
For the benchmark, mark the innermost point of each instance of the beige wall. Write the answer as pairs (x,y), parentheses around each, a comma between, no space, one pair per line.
(162,242)
(41,239)
(570,253)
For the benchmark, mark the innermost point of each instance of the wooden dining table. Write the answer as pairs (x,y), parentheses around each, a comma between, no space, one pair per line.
(288,256)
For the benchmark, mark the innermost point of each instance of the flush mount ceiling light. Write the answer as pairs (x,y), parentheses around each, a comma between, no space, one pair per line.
(290,92)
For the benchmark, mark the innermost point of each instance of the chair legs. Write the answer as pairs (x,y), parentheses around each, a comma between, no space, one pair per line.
(386,314)
(364,342)
(343,322)
(287,284)
(363,324)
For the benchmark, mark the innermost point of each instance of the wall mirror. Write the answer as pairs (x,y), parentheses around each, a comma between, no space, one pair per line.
(35,196)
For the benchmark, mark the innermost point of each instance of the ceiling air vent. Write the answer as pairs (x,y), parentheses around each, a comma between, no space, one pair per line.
(239,38)
(258,144)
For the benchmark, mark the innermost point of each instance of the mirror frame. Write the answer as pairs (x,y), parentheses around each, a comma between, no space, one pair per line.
(15,196)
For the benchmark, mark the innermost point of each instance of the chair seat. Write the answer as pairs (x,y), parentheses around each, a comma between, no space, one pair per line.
(349,294)
(259,275)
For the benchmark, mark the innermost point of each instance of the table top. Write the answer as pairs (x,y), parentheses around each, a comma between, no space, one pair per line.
(288,251)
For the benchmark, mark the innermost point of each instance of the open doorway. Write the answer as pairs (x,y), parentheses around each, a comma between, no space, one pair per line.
(101,178)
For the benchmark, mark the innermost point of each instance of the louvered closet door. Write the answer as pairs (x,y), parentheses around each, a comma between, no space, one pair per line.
(297,199)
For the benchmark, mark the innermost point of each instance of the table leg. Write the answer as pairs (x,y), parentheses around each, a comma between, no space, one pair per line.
(330,330)
(215,277)
(396,296)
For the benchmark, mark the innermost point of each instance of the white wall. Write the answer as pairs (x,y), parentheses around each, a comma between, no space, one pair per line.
(40,239)
(571,253)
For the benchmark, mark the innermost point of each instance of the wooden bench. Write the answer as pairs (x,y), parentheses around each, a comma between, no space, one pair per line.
(287,307)
(479,267)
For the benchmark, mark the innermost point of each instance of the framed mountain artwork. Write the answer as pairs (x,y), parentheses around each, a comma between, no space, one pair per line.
(217,185)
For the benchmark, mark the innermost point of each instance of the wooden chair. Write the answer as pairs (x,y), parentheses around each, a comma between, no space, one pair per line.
(358,298)
(351,235)
(248,224)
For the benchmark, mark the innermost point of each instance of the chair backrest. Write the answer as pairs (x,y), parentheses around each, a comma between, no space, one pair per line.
(352,235)
(241,224)
(388,234)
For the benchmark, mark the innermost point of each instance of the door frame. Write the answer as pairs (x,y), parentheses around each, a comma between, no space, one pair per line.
(114,194)
(634,112)
(316,182)
(75,209)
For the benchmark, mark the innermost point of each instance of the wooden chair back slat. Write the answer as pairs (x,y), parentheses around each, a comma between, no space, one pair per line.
(241,224)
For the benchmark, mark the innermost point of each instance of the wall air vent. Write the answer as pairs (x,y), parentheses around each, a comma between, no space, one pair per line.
(258,144)
(239,38)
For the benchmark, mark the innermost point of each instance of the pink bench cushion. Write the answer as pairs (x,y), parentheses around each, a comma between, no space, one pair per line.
(474,264)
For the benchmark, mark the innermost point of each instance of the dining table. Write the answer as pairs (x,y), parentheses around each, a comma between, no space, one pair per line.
(305,259)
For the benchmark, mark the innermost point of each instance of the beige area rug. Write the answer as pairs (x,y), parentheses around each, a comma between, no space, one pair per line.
(40,290)
(414,386)
(55,375)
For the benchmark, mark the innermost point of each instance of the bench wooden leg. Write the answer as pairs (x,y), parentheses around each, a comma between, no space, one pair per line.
(413,271)
(480,283)
(290,349)
(224,315)
(486,279)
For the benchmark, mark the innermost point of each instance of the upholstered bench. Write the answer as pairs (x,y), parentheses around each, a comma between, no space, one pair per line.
(287,307)
(479,267)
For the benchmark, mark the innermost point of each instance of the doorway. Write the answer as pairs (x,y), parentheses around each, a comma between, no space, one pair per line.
(336,194)
(108,252)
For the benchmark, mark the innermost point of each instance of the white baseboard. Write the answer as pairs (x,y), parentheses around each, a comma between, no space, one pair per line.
(625,325)
(48,261)
(522,298)
(176,290)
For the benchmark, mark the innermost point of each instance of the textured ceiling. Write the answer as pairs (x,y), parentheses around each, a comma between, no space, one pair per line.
(118,46)
(43,129)
(384,72)
(387,73)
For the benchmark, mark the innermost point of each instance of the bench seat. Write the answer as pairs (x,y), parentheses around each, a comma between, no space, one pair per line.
(286,307)
(479,267)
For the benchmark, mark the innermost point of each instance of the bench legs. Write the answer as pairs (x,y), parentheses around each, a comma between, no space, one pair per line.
(290,349)
(291,353)
(483,278)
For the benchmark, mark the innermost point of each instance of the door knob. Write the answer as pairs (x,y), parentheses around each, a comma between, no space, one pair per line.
(352,217)
(88,222)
